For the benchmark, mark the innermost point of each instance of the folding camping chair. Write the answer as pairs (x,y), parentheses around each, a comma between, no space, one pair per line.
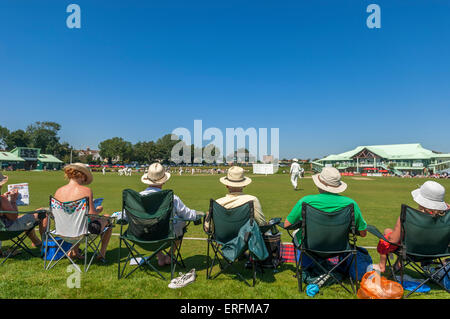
(71,225)
(150,227)
(424,238)
(225,225)
(326,235)
(17,237)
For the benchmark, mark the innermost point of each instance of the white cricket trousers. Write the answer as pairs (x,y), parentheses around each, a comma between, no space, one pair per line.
(294,178)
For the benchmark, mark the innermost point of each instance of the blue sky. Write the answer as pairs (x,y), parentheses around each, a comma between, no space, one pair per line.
(139,69)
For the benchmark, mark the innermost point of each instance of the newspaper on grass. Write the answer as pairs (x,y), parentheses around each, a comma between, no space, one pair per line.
(24,195)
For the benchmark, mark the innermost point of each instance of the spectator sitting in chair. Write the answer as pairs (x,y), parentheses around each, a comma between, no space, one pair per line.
(14,222)
(328,200)
(155,178)
(430,198)
(235,181)
(79,175)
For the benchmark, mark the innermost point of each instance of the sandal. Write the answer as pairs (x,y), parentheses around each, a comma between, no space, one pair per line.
(101,259)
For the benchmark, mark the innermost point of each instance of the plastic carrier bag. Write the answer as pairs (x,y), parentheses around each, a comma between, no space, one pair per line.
(374,286)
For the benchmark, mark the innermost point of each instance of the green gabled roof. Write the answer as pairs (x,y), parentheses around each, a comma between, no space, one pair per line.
(10,157)
(392,152)
(47,158)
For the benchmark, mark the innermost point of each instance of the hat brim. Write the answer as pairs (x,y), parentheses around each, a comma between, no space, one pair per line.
(427,203)
(161,181)
(83,169)
(329,189)
(224,180)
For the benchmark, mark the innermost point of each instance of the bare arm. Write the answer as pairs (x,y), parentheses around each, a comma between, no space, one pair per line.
(395,235)
(92,209)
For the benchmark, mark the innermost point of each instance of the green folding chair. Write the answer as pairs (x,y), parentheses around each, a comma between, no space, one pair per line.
(326,235)
(424,239)
(17,237)
(225,226)
(150,228)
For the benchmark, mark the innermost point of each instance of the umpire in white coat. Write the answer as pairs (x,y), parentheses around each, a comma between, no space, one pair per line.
(296,172)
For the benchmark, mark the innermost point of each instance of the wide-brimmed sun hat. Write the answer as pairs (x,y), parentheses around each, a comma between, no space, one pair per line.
(235,177)
(156,175)
(295,160)
(430,195)
(83,168)
(329,180)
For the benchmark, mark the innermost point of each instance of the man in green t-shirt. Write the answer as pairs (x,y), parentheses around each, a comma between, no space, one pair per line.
(328,200)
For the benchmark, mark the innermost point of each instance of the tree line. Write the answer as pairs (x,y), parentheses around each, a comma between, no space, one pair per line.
(45,135)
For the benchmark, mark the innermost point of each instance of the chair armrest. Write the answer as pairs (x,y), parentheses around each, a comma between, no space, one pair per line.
(294,226)
(110,219)
(24,213)
(374,231)
(273,222)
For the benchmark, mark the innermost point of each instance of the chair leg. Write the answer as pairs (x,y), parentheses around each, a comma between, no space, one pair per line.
(45,250)
(118,261)
(172,264)
(300,274)
(207,260)
(254,272)
(356,272)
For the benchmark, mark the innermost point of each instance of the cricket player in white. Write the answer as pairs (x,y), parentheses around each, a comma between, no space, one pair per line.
(296,171)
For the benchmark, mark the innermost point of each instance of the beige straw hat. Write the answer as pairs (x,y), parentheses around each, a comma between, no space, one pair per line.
(83,168)
(329,180)
(156,175)
(235,177)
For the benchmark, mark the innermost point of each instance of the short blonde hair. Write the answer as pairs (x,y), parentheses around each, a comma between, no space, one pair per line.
(71,173)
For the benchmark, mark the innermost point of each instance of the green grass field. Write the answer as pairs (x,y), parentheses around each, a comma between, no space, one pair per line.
(24,277)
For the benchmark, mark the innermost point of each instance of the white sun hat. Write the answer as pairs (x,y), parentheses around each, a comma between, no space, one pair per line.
(430,195)
(329,180)
(235,177)
(295,160)
(156,175)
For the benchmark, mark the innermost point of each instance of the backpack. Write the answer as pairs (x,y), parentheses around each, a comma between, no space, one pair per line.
(363,261)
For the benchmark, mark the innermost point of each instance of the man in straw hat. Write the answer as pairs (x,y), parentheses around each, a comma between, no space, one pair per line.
(155,178)
(328,200)
(296,172)
(235,181)
(430,198)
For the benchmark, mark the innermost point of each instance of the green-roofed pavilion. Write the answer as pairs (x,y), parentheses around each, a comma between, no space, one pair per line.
(396,158)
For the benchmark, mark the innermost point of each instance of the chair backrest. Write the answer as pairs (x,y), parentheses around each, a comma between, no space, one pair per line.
(327,232)
(228,222)
(71,218)
(423,233)
(149,216)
